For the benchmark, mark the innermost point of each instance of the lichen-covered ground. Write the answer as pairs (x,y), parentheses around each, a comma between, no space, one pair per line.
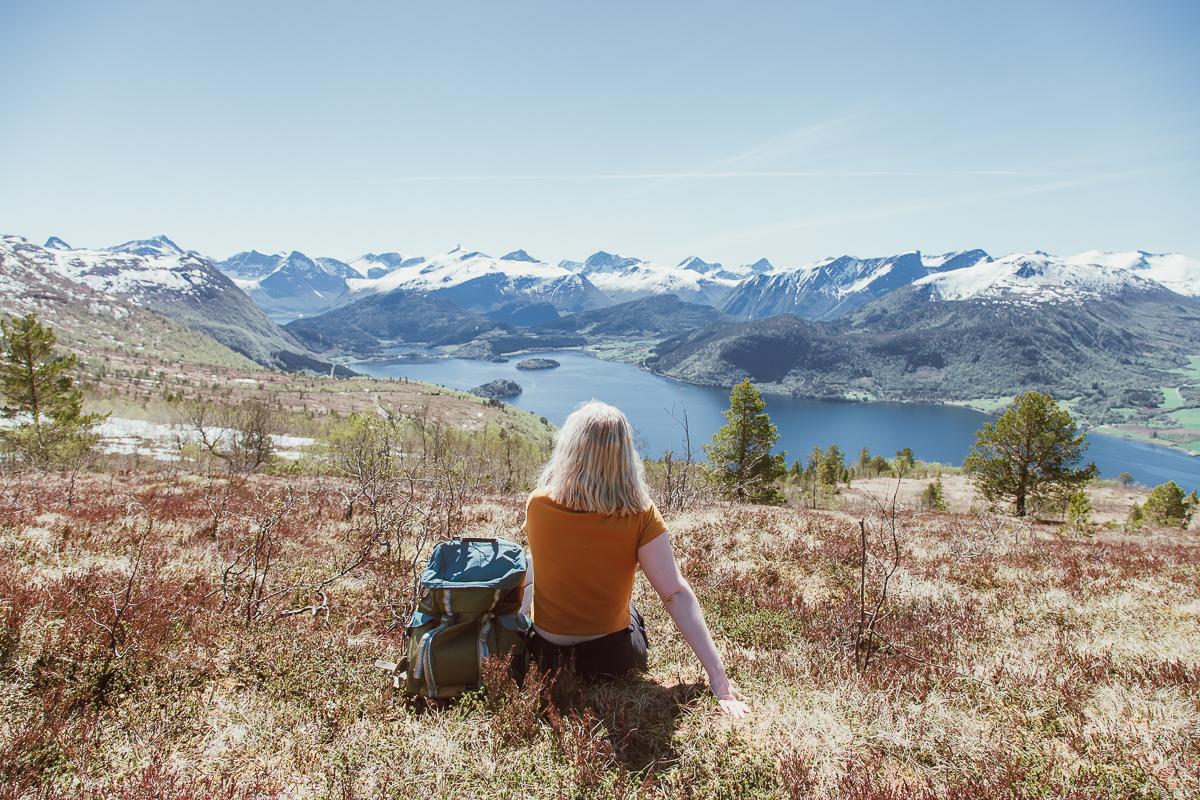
(177,635)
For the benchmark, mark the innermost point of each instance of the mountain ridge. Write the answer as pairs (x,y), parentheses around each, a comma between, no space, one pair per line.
(161,277)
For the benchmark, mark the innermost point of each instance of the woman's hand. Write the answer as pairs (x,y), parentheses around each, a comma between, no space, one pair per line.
(732,702)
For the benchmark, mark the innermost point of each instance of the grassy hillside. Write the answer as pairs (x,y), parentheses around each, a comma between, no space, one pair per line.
(1016,662)
(139,387)
(99,326)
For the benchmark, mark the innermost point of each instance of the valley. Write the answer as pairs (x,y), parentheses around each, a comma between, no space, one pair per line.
(1113,336)
(656,404)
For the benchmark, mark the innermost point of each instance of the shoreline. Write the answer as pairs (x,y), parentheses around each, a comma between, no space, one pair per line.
(991,407)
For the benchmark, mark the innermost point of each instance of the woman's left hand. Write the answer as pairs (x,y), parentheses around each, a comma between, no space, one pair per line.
(733,703)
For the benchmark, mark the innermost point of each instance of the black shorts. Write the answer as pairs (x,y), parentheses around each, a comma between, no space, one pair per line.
(609,656)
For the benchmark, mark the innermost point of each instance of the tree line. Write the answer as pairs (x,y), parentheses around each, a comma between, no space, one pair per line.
(1030,457)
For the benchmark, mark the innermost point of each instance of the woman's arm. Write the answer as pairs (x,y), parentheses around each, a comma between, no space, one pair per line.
(527,596)
(658,562)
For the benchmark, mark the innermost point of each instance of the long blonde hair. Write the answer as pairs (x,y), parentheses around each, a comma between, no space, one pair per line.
(595,466)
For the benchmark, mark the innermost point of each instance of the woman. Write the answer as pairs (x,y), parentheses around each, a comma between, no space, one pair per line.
(591,524)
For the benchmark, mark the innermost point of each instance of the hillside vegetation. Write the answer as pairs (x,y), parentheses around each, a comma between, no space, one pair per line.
(212,635)
(204,623)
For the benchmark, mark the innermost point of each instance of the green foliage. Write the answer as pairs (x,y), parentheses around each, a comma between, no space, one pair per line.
(904,461)
(934,498)
(40,394)
(1029,453)
(833,466)
(740,452)
(813,470)
(880,465)
(1079,513)
(1125,479)
(1168,506)
(1136,517)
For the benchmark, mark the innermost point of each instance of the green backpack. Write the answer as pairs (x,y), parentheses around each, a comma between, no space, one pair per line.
(469,609)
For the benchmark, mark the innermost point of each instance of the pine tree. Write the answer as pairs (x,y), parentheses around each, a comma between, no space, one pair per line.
(1028,453)
(40,394)
(740,452)
(864,461)
(934,497)
(1168,506)
(813,470)
(812,474)
(904,461)
(833,464)
(1079,513)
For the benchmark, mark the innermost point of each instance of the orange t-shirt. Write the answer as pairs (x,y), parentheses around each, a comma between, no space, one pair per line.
(583,565)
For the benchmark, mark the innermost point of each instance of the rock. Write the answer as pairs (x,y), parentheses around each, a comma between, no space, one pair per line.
(537,363)
(498,389)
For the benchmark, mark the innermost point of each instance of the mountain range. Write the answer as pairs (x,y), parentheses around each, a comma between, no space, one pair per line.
(290,285)
(958,325)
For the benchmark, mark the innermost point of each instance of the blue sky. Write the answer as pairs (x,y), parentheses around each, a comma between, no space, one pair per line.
(726,130)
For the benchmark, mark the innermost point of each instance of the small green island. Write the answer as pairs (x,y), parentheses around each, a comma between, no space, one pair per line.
(498,389)
(537,363)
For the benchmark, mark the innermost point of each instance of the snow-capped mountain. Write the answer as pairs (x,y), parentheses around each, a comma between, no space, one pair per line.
(158,275)
(143,270)
(251,265)
(90,320)
(1179,273)
(292,284)
(717,271)
(1039,277)
(623,278)
(376,265)
(954,260)
(480,282)
(337,268)
(836,286)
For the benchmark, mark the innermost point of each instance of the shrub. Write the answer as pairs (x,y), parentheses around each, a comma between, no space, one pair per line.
(1079,513)
(1168,506)
(933,498)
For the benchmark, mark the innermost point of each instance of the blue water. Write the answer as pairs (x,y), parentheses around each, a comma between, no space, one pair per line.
(939,433)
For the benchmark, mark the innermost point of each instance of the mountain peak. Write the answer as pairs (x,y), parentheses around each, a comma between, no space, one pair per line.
(299,261)
(518,255)
(55,243)
(697,264)
(601,261)
(955,259)
(760,266)
(156,246)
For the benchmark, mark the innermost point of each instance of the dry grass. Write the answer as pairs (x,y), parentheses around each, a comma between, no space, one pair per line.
(148,388)
(1110,501)
(1015,662)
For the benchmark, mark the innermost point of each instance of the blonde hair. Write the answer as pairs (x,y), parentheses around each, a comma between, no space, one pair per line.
(595,466)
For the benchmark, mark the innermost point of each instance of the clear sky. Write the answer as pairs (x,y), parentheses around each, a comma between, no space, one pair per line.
(726,130)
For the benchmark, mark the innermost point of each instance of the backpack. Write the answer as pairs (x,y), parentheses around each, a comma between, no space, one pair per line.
(469,609)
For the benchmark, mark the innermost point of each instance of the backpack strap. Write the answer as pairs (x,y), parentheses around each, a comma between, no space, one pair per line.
(397,669)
